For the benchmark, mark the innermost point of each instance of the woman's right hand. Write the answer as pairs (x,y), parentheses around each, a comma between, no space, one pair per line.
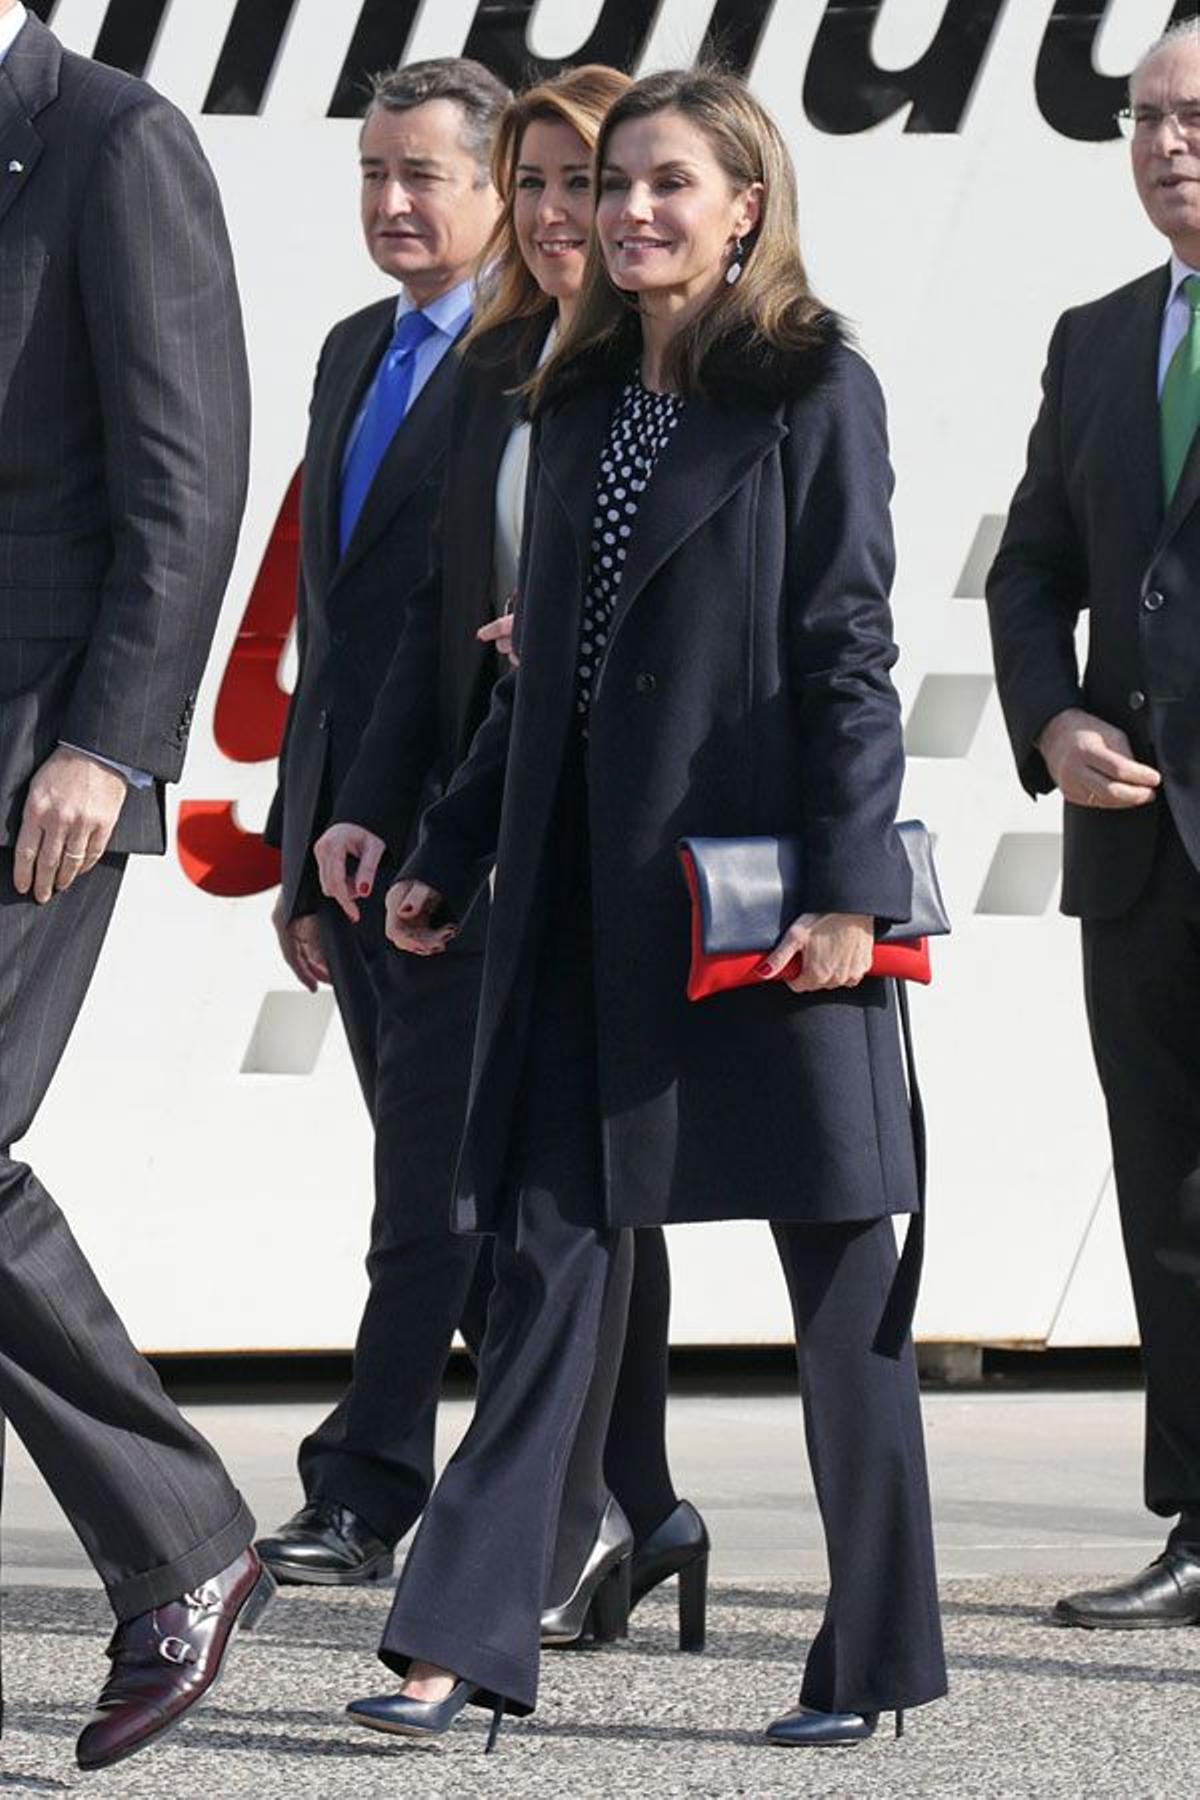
(499,632)
(409,908)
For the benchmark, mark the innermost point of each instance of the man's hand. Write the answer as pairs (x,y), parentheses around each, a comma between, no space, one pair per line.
(300,942)
(334,851)
(410,906)
(836,949)
(70,810)
(1092,764)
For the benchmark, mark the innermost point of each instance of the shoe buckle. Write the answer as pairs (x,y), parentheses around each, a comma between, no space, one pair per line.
(176,1650)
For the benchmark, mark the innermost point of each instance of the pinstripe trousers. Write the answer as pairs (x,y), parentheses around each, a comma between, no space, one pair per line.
(148,1497)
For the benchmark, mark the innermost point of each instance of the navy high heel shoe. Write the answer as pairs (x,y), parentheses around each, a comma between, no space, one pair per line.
(679,1546)
(805,1726)
(407,1717)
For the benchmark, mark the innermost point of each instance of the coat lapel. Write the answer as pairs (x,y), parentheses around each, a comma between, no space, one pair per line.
(708,456)
(345,381)
(28,83)
(1134,368)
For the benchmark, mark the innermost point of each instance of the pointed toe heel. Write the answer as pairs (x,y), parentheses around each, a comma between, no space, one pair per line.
(806,1728)
(404,1716)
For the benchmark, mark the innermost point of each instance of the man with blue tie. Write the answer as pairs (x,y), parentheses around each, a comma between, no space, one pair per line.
(378,433)
(1108,518)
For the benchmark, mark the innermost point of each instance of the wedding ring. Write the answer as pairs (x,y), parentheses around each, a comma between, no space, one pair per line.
(73,855)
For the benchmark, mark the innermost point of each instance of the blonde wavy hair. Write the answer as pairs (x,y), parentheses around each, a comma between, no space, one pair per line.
(579,98)
(772,303)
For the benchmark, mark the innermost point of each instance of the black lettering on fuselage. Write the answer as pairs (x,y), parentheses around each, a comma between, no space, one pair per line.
(1072,95)
(845,90)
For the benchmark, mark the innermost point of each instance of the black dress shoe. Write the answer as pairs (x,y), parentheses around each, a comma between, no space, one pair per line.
(806,1727)
(328,1546)
(406,1717)
(598,1606)
(679,1546)
(1165,1594)
(164,1661)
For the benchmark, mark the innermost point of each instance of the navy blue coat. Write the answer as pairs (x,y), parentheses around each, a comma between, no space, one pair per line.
(745,689)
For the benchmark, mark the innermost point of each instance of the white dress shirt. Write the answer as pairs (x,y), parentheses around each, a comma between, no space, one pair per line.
(10,24)
(1175,319)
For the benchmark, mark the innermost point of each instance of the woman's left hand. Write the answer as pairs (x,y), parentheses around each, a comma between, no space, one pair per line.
(836,948)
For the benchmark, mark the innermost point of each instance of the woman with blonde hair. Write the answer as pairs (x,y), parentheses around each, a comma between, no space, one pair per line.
(705,642)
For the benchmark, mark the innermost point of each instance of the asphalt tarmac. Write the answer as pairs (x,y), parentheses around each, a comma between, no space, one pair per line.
(1034,1492)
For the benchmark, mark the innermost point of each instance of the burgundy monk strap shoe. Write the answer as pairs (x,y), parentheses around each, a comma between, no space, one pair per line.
(166,1660)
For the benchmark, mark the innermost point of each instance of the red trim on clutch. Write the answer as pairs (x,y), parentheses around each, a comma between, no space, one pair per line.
(904,959)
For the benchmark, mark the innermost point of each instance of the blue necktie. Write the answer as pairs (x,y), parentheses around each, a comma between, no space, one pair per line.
(386,406)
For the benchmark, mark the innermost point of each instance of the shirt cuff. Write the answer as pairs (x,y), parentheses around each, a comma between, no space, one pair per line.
(137,778)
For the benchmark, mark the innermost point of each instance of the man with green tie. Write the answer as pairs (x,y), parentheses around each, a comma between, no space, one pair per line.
(1107,517)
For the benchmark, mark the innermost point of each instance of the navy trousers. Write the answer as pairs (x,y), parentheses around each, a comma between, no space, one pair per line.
(411,1023)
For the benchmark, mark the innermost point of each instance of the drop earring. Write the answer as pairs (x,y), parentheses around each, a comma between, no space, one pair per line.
(737,256)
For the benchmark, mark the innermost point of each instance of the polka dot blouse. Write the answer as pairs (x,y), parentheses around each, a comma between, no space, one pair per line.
(641,428)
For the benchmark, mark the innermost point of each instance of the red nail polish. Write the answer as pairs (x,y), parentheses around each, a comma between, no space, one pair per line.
(364,888)
(763,971)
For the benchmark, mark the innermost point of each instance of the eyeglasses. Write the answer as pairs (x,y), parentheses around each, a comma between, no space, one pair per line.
(1145,121)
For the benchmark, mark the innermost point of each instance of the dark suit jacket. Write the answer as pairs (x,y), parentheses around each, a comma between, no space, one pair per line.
(745,689)
(440,682)
(351,610)
(1088,529)
(124,423)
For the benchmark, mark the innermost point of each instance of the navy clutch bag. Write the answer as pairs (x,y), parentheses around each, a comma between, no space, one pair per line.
(745,892)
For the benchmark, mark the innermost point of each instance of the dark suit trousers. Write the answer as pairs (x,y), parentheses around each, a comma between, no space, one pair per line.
(410,1022)
(483,1562)
(411,1026)
(470,1593)
(1142,984)
(148,1497)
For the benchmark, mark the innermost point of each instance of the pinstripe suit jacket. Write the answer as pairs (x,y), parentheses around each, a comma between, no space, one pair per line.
(124,423)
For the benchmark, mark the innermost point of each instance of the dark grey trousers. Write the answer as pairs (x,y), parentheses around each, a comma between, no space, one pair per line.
(149,1498)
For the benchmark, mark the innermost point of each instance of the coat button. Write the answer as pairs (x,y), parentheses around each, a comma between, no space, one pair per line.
(1137,700)
(1153,600)
(339,639)
(645,683)
(323,719)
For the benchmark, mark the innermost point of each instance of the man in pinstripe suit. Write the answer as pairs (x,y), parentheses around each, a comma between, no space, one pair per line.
(124,414)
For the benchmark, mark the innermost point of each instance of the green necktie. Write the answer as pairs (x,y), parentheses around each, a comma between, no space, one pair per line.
(1179,408)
